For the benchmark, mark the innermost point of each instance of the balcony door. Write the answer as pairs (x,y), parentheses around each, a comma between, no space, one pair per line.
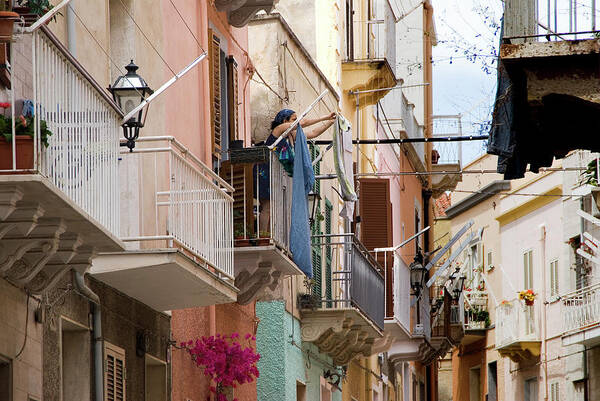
(531,390)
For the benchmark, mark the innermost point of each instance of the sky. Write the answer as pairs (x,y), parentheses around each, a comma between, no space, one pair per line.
(465,83)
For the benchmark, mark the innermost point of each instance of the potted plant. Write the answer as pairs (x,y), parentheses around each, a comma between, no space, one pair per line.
(239,235)
(32,10)
(24,140)
(528,296)
(263,239)
(7,20)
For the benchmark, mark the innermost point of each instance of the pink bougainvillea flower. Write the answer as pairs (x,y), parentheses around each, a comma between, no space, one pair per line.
(224,360)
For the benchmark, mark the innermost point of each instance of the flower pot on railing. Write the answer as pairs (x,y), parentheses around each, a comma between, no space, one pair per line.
(31,10)
(7,21)
(241,242)
(24,153)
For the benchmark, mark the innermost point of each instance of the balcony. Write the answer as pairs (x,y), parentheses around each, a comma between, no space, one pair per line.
(349,320)
(397,292)
(366,66)
(476,317)
(446,159)
(417,347)
(581,312)
(178,227)
(262,245)
(59,203)
(516,331)
(548,75)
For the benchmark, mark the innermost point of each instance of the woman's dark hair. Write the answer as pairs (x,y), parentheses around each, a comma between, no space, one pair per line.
(281,117)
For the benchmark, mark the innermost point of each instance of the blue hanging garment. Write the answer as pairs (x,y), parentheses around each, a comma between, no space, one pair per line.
(302,183)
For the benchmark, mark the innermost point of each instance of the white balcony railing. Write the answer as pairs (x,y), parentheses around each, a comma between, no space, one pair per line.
(551,20)
(448,126)
(368,41)
(83,151)
(177,201)
(515,322)
(581,308)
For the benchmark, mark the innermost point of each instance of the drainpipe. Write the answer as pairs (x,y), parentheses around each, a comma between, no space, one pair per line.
(71,38)
(83,289)
(544,307)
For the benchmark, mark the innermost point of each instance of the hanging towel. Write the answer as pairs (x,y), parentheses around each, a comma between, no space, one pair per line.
(346,187)
(302,183)
(344,130)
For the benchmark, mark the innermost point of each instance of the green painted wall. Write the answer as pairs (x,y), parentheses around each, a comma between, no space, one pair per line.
(282,362)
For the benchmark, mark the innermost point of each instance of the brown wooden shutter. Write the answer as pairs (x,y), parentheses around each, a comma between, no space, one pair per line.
(239,176)
(233,100)
(375,211)
(114,373)
(214,53)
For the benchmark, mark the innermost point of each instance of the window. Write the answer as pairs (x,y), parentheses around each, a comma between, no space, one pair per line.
(554,278)
(224,95)
(349,30)
(492,381)
(156,379)
(554,391)
(325,390)
(5,379)
(114,373)
(216,109)
(300,391)
(531,390)
(489,262)
(328,252)
(475,384)
(317,256)
(528,270)
(76,362)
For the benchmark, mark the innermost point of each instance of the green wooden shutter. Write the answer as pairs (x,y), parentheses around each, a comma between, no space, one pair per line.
(328,251)
(317,261)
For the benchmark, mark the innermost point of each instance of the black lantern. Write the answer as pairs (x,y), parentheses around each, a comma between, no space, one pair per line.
(460,282)
(128,92)
(313,201)
(417,274)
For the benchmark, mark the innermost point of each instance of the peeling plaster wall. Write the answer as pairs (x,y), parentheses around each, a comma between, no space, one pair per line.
(282,363)
(122,319)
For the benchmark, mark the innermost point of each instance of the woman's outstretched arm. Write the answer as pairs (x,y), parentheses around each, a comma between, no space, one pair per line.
(319,130)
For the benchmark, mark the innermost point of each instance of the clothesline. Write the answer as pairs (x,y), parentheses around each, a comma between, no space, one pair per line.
(418,173)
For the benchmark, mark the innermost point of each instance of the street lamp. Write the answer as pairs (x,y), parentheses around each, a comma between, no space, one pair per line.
(128,92)
(313,201)
(460,282)
(417,274)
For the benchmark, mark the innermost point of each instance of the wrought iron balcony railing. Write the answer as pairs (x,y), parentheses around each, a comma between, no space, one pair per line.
(356,278)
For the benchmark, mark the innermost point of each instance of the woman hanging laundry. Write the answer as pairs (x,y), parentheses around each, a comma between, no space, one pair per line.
(285,152)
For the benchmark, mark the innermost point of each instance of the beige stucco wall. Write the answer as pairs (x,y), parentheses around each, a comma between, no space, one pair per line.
(27,368)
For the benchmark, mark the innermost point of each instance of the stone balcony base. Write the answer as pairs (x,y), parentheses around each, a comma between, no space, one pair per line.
(342,333)
(44,235)
(519,351)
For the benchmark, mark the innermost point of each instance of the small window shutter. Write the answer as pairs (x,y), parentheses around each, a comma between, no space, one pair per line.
(375,213)
(233,100)
(316,230)
(114,373)
(376,227)
(239,176)
(328,252)
(215,91)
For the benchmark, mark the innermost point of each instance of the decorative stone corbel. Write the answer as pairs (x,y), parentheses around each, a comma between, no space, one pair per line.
(40,246)
(9,196)
(251,285)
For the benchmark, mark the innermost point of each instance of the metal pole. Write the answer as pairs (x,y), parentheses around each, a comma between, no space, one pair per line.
(295,123)
(164,87)
(409,140)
